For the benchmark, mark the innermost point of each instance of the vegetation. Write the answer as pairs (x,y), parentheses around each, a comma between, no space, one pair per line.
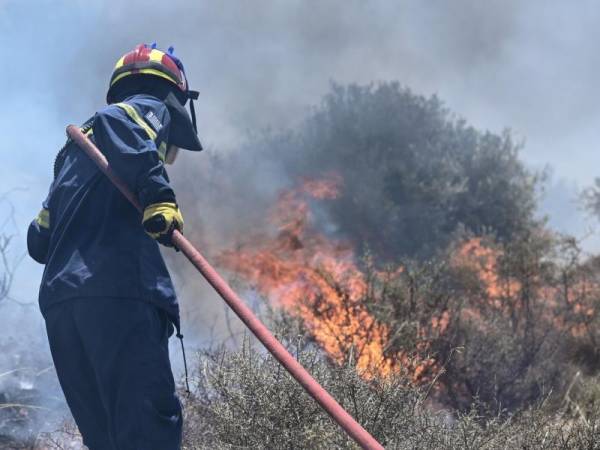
(243,399)
(516,361)
(413,172)
(492,317)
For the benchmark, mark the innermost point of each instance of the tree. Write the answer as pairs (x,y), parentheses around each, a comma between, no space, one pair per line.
(414,174)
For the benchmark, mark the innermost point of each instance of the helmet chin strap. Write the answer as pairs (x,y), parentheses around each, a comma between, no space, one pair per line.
(193,95)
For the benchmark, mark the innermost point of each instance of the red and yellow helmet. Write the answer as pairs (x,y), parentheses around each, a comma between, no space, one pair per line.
(148,60)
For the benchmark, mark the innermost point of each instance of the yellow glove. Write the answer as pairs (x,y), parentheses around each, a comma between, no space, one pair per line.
(160,220)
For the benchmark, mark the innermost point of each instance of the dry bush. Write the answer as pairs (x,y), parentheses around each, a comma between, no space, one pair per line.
(244,399)
(7,273)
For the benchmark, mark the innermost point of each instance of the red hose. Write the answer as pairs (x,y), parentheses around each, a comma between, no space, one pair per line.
(339,414)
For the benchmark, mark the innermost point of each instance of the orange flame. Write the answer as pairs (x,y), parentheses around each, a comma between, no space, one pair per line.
(475,255)
(565,309)
(316,279)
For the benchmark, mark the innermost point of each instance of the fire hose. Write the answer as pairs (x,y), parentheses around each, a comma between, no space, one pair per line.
(323,398)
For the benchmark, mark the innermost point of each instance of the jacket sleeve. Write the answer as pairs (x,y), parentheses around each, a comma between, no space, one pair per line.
(129,144)
(38,236)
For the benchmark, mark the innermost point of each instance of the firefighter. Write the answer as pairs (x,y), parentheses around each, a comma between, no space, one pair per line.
(106,296)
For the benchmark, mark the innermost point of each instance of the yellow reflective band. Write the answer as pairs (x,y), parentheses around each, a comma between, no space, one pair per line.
(43,218)
(162,151)
(133,114)
(123,75)
(158,73)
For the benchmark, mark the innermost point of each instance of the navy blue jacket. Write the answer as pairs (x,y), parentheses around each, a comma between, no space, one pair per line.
(88,235)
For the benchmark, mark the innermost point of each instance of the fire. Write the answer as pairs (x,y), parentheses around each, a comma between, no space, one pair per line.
(327,188)
(473,254)
(316,279)
(568,310)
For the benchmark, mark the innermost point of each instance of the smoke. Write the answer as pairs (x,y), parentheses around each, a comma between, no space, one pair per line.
(527,65)
(263,64)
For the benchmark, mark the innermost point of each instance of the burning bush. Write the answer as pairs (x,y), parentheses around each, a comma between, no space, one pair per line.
(518,322)
(479,296)
(498,324)
(315,279)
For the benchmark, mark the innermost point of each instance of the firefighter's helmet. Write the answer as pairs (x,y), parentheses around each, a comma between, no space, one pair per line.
(148,61)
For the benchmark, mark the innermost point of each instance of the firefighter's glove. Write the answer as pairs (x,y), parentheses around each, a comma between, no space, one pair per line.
(160,220)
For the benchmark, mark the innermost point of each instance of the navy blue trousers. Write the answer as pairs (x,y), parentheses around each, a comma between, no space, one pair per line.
(112,360)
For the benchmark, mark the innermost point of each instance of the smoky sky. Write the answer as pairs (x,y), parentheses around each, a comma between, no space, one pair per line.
(529,66)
